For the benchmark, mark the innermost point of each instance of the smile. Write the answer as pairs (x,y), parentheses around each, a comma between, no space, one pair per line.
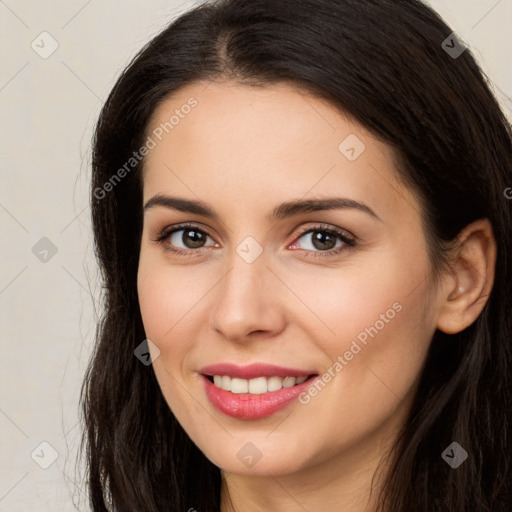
(255,391)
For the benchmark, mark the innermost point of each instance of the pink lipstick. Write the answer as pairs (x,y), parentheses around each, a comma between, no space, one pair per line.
(254,391)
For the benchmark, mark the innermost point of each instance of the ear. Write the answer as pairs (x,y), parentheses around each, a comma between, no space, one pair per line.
(465,292)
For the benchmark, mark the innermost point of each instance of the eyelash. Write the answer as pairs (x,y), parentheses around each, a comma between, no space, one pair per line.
(349,242)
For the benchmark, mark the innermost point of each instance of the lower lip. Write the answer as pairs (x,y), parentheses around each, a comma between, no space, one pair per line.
(246,406)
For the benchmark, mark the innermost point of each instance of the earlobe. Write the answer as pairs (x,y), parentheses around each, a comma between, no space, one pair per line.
(473,269)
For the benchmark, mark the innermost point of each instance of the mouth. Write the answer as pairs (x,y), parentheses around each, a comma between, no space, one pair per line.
(270,389)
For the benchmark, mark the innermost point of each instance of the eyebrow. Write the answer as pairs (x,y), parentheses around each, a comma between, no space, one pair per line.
(284,210)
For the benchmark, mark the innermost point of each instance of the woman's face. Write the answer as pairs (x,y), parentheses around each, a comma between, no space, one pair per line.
(340,294)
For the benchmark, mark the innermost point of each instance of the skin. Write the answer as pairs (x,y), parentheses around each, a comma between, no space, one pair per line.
(244,150)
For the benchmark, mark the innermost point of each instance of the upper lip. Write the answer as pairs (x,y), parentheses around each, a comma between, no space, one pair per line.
(254,370)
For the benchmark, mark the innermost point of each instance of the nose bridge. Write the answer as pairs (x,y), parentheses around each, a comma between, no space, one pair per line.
(243,300)
(242,283)
(247,263)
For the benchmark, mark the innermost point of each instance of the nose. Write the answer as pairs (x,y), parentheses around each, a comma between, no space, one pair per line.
(248,302)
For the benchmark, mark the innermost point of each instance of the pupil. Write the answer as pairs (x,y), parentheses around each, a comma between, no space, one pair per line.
(319,240)
(195,240)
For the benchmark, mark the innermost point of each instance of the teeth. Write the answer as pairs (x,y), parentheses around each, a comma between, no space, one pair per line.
(274,383)
(256,386)
(226,383)
(239,385)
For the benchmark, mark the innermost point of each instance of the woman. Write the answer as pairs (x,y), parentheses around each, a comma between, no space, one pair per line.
(301,218)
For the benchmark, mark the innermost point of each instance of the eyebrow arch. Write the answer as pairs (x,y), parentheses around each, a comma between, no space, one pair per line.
(282,211)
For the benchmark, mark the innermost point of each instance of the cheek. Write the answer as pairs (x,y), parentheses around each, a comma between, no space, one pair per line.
(167,299)
(380,328)
(154,301)
(356,300)
(376,358)
(167,308)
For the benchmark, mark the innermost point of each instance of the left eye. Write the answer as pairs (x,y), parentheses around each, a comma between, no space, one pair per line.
(321,240)
(324,240)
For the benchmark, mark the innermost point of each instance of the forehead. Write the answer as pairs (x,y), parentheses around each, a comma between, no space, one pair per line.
(263,142)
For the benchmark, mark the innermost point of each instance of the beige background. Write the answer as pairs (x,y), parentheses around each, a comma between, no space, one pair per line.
(48,108)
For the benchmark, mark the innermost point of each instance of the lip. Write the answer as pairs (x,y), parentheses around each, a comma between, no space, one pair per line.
(252,371)
(246,406)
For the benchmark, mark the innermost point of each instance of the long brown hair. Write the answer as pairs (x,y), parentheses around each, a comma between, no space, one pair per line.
(384,63)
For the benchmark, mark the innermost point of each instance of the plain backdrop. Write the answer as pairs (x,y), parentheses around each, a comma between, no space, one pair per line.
(48,274)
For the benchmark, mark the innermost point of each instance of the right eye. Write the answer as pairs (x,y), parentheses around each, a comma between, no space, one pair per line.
(190,236)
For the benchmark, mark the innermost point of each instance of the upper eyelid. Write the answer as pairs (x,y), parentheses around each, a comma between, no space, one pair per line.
(180,227)
(326,227)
